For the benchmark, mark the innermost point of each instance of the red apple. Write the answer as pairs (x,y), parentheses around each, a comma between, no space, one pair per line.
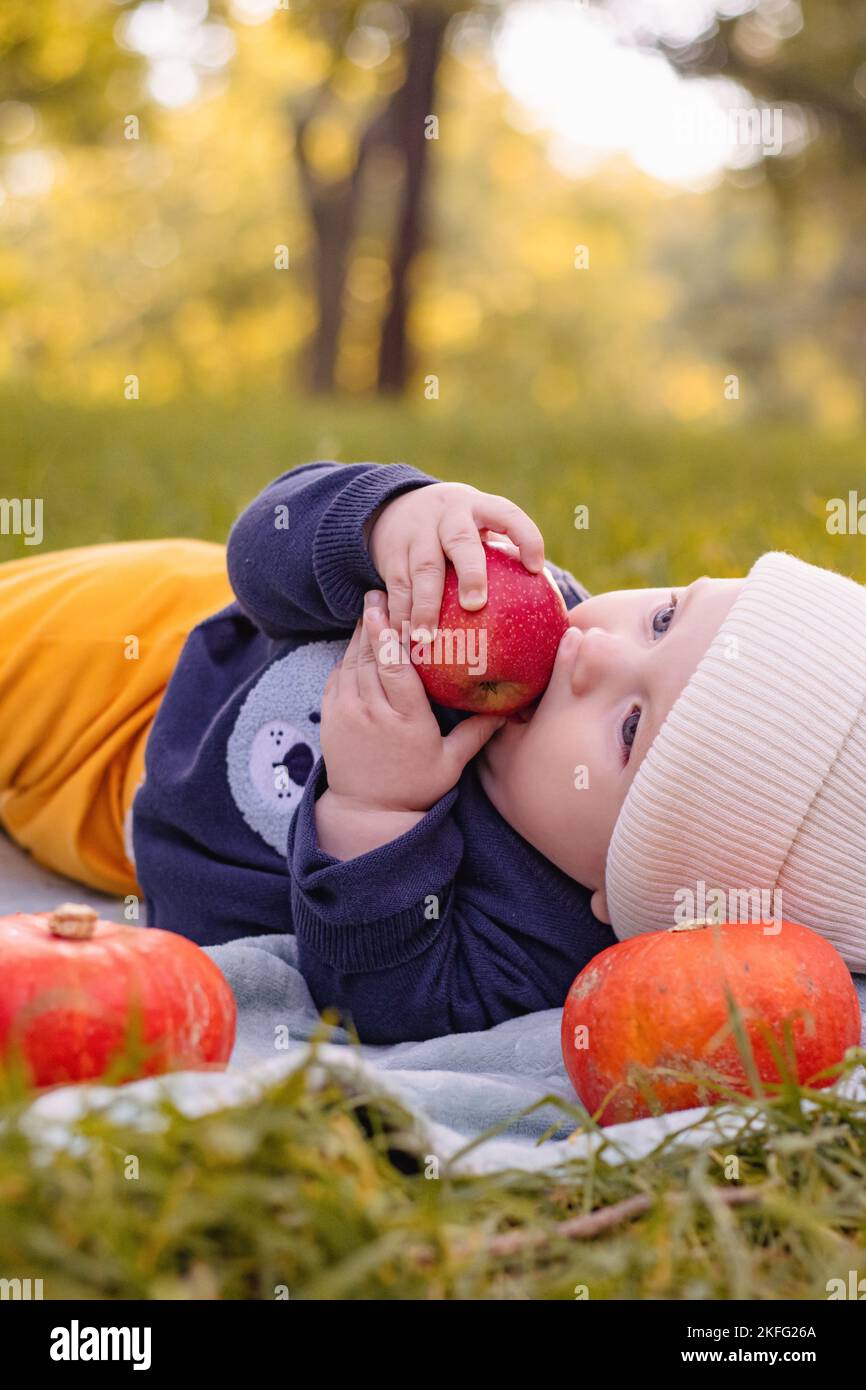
(497,659)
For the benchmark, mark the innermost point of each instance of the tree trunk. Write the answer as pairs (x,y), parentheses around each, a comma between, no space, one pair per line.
(333,220)
(333,210)
(411,105)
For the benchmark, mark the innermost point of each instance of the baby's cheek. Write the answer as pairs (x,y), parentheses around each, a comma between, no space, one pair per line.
(511,781)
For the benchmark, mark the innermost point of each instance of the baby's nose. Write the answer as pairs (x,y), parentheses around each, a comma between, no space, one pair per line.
(595,655)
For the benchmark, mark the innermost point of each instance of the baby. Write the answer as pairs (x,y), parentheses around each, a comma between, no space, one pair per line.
(272,773)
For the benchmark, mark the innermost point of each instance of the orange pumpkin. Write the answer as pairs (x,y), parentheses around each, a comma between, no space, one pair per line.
(659,1001)
(77,994)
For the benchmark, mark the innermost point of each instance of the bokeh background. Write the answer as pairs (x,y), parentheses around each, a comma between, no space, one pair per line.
(607,255)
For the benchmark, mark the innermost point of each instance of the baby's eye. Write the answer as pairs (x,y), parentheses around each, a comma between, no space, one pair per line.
(629,730)
(664,617)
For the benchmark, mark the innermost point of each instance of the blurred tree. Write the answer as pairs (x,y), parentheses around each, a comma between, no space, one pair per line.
(61,56)
(395,120)
(806,53)
(410,109)
(806,59)
(156,255)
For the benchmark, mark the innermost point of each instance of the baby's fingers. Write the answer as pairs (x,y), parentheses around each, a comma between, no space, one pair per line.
(369,682)
(428,581)
(399,584)
(347,671)
(398,677)
(461,542)
(469,736)
(498,514)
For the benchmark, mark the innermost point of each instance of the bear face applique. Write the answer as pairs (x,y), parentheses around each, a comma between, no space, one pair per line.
(275,741)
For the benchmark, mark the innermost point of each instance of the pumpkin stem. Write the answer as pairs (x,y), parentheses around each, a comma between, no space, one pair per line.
(73,921)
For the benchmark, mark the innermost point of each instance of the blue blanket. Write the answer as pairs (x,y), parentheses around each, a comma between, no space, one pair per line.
(458,1087)
(468,1081)
(463,1084)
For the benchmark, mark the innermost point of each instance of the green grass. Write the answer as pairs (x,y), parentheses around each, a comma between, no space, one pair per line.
(321,1191)
(666,503)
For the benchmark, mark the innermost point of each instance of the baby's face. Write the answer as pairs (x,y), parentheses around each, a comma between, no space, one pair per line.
(559,773)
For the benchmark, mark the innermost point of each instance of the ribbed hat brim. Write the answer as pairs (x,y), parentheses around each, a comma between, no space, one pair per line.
(727,787)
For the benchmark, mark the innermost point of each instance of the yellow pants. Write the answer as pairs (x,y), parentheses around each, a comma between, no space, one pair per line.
(88,641)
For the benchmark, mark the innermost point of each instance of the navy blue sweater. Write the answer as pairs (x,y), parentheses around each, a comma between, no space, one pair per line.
(454,926)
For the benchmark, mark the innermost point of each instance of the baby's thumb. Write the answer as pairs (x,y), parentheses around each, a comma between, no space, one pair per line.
(470,736)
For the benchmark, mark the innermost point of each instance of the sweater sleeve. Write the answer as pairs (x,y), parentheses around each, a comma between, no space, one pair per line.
(571,589)
(417,938)
(297,558)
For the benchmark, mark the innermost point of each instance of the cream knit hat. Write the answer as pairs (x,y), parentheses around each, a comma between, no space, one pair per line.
(757,778)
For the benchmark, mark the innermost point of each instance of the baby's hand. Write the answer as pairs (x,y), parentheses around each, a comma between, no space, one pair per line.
(411,537)
(386,758)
